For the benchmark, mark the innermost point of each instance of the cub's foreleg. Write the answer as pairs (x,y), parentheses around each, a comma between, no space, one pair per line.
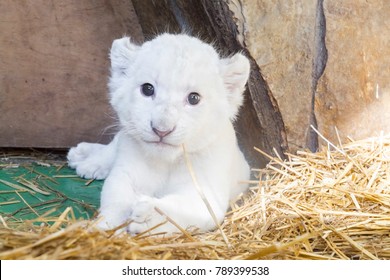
(186,210)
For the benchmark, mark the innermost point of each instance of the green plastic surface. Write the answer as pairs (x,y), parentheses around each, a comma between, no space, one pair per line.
(58,188)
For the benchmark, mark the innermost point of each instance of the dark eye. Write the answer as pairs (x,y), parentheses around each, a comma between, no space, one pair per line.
(193,98)
(147,89)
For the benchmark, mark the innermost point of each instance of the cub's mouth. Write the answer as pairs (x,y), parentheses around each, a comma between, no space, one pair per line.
(161,143)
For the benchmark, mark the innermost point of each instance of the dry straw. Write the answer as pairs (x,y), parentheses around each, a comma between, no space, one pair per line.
(334,204)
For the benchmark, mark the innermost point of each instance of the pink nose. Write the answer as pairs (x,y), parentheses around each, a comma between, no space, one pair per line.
(161,133)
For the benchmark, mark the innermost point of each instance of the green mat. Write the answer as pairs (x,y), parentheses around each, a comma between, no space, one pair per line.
(29,191)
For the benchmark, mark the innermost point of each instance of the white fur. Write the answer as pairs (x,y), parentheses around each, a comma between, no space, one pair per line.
(144,171)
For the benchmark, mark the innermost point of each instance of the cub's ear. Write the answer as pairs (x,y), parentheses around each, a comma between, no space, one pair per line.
(122,53)
(235,72)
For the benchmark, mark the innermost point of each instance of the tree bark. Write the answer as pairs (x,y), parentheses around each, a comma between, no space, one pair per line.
(260,123)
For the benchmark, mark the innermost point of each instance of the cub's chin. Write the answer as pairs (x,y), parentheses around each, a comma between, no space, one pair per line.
(162,150)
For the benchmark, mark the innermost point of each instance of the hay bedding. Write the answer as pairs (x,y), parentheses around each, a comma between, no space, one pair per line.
(326,205)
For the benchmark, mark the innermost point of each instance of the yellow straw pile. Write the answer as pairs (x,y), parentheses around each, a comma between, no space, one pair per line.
(334,204)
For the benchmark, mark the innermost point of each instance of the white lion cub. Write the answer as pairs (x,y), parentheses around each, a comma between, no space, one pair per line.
(170,92)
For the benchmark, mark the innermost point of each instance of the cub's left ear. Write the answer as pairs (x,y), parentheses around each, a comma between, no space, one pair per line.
(235,72)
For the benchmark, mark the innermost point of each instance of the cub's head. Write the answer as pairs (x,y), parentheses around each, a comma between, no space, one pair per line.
(175,90)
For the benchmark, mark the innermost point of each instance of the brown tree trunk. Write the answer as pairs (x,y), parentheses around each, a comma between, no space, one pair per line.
(260,123)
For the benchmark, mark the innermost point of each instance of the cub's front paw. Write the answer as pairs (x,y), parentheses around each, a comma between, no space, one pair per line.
(89,161)
(144,217)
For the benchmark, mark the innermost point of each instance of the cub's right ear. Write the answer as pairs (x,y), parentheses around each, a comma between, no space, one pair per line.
(122,53)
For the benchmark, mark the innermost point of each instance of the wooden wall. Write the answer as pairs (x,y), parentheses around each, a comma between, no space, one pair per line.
(54,67)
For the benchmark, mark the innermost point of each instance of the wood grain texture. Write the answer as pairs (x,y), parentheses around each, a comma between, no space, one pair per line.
(54,67)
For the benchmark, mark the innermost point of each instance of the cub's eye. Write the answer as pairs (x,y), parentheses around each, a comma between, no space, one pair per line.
(147,89)
(193,98)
